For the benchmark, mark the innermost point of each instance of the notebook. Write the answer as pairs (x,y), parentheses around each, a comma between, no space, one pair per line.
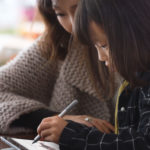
(24,144)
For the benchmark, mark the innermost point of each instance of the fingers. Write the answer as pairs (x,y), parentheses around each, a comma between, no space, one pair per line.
(109,126)
(43,126)
(87,123)
(47,119)
(78,119)
(45,133)
(106,128)
(51,138)
(100,126)
(49,135)
(47,123)
(51,128)
(103,125)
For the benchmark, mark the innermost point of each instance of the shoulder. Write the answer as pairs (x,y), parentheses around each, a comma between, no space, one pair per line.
(145,92)
(29,58)
(144,96)
(37,47)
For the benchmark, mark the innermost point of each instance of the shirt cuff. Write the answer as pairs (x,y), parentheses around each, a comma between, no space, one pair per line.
(68,133)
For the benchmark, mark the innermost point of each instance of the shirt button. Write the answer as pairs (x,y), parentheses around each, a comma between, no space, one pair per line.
(122,109)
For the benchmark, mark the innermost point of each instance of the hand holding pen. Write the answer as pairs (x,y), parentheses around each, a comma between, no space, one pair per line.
(66,110)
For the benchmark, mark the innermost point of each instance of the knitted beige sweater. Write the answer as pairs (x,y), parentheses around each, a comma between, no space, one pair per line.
(29,83)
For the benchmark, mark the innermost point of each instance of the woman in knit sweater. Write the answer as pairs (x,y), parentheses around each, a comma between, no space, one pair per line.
(46,77)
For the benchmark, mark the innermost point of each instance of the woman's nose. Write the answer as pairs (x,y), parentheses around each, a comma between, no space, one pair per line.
(101,56)
(71,22)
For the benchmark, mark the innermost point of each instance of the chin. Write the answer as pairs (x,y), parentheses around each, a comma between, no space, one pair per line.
(106,64)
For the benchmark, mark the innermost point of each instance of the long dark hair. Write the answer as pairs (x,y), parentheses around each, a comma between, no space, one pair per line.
(59,40)
(126,24)
(55,34)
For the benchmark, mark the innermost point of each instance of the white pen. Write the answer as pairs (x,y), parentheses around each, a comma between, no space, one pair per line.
(67,109)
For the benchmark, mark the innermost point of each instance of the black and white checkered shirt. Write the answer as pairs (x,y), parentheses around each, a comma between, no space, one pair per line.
(133,123)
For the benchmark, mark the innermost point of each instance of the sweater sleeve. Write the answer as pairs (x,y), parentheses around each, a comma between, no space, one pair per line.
(79,137)
(26,85)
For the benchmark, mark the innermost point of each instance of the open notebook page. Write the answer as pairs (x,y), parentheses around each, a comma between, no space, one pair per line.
(40,145)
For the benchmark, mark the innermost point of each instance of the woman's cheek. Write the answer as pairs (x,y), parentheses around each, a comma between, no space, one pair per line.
(65,23)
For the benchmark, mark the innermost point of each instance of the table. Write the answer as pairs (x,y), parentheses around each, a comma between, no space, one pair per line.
(2,145)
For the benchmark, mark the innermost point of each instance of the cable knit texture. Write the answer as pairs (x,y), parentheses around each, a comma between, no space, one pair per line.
(30,82)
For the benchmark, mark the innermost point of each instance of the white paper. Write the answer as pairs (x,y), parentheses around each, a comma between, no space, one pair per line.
(40,145)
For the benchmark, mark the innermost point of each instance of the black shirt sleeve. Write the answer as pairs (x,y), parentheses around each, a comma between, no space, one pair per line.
(76,136)
(33,119)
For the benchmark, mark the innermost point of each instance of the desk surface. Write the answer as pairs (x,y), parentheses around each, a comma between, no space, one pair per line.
(2,145)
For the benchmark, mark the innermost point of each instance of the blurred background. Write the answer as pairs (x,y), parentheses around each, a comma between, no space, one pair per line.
(20,25)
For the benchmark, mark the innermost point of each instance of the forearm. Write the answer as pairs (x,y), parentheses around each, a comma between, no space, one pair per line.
(77,136)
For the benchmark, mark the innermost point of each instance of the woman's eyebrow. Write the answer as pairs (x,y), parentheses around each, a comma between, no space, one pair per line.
(55,6)
(74,6)
(93,38)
